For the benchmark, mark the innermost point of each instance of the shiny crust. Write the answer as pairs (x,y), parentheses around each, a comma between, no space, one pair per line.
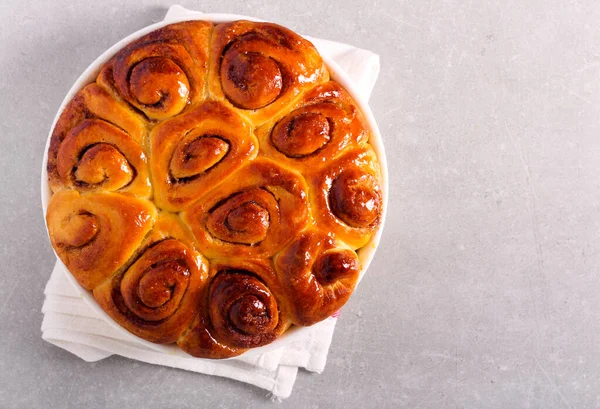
(321,126)
(261,67)
(96,233)
(254,214)
(95,121)
(243,308)
(346,197)
(156,295)
(163,72)
(318,276)
(212,187)
(196,151)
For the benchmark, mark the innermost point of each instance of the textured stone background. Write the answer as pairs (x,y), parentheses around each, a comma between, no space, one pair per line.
(484,291)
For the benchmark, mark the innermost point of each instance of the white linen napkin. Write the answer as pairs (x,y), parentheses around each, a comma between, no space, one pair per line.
(71,324)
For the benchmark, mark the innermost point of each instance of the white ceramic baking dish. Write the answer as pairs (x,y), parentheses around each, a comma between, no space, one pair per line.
(177,14)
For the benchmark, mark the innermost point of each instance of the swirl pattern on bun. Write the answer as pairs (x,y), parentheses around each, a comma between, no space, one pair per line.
(156,295)
(348,198)
(97,145)
(255,214)
(318,276)
(163,72)
(321,126)
(96,233)
(261,67)
(195,151)
(243,308)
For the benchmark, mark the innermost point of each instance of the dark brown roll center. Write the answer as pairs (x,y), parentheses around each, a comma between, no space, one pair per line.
(301,135)
(156,286)
(243,218)
(354,198)
(250,80)
(198,156)
(249,315)
(335,265)
(248,217)
(242,309)
(160,85)
(100,162)
(77,230)
(152,288)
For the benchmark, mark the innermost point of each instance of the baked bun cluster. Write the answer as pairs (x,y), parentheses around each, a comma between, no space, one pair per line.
(212,186)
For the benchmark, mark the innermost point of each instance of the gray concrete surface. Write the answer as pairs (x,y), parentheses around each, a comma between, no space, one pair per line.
(484,293)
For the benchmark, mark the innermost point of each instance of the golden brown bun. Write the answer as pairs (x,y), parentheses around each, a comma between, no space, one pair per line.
(243,308)
(196,151)
(346,196)
(163,72)
(261,67)
(212,187)
(318,276)
(156,295)
(95,234)
(254,214)
(96,145)
(321,126)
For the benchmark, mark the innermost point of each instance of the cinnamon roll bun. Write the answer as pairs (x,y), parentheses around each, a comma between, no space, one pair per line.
(97,145)
(163,72)
(156,295)
(318,276)
(243,308)
(346,197)
(324,124)
(195,151)
(261,68)
(94,234)
(257,212)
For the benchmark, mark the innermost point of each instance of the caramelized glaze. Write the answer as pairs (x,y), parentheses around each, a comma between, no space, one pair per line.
(346,196)
(321,126)
(196,151)
(155,295)
(244,307)
(261,68)
(317,274)
(254,214)
(95,233)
